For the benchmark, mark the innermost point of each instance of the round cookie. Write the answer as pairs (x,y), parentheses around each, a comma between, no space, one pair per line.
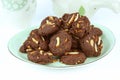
(60,43)
(91,45)
(34,32)
(84,21)
(41,57)
(68,19)
(49,26)
(81,27)
(33,42)
(95,31)
(26,47)
(73,58)
(29,45)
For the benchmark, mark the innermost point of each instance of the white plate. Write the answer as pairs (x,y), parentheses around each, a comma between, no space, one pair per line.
(17,40)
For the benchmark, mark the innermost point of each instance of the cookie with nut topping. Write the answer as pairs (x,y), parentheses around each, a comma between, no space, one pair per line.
(95,31)
(91,45)
(83,21)
(49,26)
(30,44)
(33,42)
(60,43)
(41,57)
(81,27)
(26,47)
(68,19)
(73,58)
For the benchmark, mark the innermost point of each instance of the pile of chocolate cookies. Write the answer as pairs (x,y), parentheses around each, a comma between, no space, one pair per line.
(69,39)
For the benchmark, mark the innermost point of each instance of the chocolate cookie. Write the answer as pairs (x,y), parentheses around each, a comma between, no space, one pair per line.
(68,19)
(29,45)
(60,43)
(41,57)
(81,27)
(26,47)
(33,42)
(75,43)
(49,26)
(83,21)
(95,31)
(91,45)
(34,32)
(77,32)
(73,58)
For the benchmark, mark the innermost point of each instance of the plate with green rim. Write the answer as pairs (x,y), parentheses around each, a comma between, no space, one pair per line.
(17,40)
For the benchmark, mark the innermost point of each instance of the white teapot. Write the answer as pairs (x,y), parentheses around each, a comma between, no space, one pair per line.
(86,7)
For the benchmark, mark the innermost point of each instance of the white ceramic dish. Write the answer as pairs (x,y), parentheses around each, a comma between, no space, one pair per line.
(17,40)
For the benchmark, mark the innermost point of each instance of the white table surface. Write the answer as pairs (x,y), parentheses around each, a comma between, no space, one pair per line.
(107,68)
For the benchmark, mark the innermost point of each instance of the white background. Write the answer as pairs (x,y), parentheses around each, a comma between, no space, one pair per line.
(108,68)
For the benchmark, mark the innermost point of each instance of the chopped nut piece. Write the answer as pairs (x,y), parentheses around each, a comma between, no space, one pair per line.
(49,53)
(72,53)
(39,48)
(71,19)
(49,23)
(66,40)
(96,48)
(38,57)
(66,30)
(76,17)
(41,52)
(79,61)
(58,41)
(34,40)
(78,25)
(99,40)
(28,47)
(32,52)
(87,41)
(51,18)
(92,42)
(42,38)
(28,50)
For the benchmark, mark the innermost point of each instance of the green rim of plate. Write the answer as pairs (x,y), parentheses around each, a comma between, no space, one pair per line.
(16,41)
